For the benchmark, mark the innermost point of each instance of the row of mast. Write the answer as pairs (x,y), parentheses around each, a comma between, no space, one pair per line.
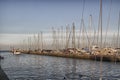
(69,38)
(61,39)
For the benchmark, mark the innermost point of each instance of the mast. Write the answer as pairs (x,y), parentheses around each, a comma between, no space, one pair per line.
(94,35)
(83,40)
(67,35)
(113,40)
(108,21)
(79,36)
(73,37)
(38,41)
(24,44)
(101,22)
(35,42)
(62,44)
(101,58)
(118,32)
(41,40)
(29,42)
(82,23)
(90,28)
(58,38)
(53,37)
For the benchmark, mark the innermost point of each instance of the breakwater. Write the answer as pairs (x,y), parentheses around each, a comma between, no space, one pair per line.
(73,53)
(3,76)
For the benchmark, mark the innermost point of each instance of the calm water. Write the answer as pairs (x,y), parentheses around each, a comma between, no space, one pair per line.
(37,67)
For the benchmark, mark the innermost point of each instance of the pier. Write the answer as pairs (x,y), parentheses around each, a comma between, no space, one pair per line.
(107,54)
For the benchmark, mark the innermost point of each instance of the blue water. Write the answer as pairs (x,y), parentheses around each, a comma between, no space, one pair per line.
(38,67)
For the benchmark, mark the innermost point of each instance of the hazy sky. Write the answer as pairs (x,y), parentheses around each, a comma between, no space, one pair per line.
(33,16)
(30,16)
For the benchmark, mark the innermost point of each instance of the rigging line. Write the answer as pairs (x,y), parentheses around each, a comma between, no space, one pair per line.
(93,41)
(68,39)
(81,27)
(86,32)
(80,31)
(83,8)
(98,30)
(108,23)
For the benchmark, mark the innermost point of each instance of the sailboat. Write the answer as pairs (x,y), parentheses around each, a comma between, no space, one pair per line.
(16,52)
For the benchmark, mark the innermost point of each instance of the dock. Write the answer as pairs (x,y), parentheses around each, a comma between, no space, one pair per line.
(110,57)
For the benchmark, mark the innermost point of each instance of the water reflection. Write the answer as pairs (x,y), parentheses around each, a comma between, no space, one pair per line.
(37,67)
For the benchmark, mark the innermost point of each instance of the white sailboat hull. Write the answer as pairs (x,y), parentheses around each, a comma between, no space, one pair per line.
(17,53)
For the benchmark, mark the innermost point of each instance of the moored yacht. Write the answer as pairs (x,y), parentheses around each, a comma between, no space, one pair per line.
(16,52)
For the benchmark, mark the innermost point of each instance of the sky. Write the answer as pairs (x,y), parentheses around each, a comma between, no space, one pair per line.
(33,16)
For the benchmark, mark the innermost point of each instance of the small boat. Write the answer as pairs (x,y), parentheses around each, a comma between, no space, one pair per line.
(16,52)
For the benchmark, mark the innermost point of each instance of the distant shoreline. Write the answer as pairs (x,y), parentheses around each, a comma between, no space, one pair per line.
(5,51)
